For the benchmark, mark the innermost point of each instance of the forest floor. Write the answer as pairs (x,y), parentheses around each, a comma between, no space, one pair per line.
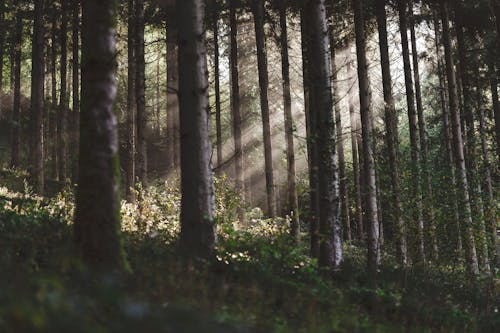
(258,283)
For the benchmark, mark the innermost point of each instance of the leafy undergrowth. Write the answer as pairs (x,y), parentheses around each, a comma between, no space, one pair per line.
(257,283)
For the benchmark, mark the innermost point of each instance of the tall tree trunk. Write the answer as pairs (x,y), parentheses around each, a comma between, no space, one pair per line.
(140,83)
(131,104)
(97,217)
(311,148)
(412,119)
(75,116)
(16,110)
(355,132)
(495,100)
(235,97)
(3,31)
(172,92)
(260,37)
(62,116)
(462,182)
(426,181)
(157,101)
(37,97)
(391,128)
(197,208)
(218,110)
(53,127)
(470,136)
(330,254)
(371,213)
(343,193)
(292,197)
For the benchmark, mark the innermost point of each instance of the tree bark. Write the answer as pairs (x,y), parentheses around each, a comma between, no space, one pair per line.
(62,116)
(172,92)
(16,110)
(75,116)
(371,213)
(330,251)
(197,207)
(260,37)
(218,109)
(131,104)
(235,97)
(97,217)
(3,31)
(140,86)
(391,127)
(292,197)
(53,127)
(462,182)
(37,98)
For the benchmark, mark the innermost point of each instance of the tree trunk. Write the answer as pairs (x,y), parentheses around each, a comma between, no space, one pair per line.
(197,208)
(62,116)
(75,119)
(496,102)
(37,97)
(140,86)
(391,127)
(16,110)
(330,254)
(293,202)
(218,121)
(3,30)
(343,193)
(260,37)
(97,217)
(172,92)
(235,97)
(371,213)
(131,104)
(53,126)
(462,182)
(157,102)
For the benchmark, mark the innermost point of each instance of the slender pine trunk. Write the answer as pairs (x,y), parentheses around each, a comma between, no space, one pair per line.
(140,86)
(131,104)
(62,115)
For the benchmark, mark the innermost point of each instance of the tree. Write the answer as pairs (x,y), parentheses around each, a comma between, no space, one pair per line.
(260,37)
(62,115)
(97,217)
(140,87)
(197,206)
(37,97)
(131,103)
(218,109)
(172,90)
(16,76)
(318,69)
(53,113)
(75,115)
(462,181)
(292,202)
(370,191)
(3,31)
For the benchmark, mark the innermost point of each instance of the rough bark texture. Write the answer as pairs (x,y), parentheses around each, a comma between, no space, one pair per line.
(75,115)
(197,207)
(292,198)
(330,250)
(131,104)
(16,108)
(260,37)
(391,128)
(495,5)
(62,115)
(218,109)
(140,86)
(97,213)
(235,97)
(173,137)
(37,97)
(462,182)
(371,213)
(54,107)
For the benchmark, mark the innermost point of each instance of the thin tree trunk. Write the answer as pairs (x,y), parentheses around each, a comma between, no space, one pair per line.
(391,127)
(157,107)
(260,37)
(76,90)
(140,82)
(16,110)
(495,101)
(62,116)
(218,111)
(3,31)
(293,202)
(37,96)
(462,182)
(330,254)
(54,107)
(343,193)
(235,98)
(131,104)
(412,120)
(371,213)
(197,208)
(97,217)
(172,92)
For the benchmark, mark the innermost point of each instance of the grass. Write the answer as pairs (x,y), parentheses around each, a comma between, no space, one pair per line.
(258,282)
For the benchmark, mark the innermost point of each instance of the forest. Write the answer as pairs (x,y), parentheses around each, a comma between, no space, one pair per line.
(237,166)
